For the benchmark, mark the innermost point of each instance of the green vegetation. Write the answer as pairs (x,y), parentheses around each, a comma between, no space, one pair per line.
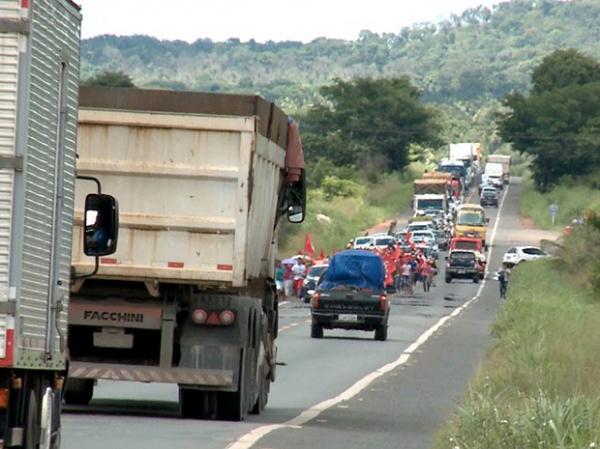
(109,79)
(540,384)
(482,54)
(335,216)
(572,199)
(368,123)
(559,123)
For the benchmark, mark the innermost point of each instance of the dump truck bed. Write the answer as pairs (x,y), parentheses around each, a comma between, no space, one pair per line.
(197,177)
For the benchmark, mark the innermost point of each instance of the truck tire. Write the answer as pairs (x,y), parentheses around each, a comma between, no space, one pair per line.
(79,391)
(231,406)
(476,279)
(448,279)
(316,330)
(196,404)
(381,332)
(263,397)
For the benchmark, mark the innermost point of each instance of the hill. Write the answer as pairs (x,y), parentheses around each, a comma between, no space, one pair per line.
(481,54)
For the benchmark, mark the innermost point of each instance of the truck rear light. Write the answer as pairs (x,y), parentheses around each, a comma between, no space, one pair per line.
(383,302)
(315,300)
(199,316)
(226,317)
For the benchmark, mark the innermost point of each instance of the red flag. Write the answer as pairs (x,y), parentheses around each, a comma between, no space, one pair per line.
(322,254)
(309,249)
(408,237)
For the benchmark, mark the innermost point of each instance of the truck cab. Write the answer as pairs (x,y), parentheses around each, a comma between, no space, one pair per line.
(471,222)
(430,203)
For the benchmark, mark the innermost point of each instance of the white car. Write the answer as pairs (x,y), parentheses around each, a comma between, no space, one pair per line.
(365,242)
(382,242)
(518,254)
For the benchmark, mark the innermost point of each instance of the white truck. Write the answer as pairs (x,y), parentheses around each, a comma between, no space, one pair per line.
(505,160)
(189,297)
(465,151)
(39,66)
(430,203)
(494,174)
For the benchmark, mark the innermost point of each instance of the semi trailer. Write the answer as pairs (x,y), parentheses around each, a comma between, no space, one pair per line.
(39,66)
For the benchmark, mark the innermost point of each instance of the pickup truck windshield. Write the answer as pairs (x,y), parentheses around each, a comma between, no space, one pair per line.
(462,259)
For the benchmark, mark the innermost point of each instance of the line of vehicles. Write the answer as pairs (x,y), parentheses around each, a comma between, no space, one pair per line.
(138,233)
(351,291)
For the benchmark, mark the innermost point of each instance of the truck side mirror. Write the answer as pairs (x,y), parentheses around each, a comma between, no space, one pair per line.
(296,200)
(101,225)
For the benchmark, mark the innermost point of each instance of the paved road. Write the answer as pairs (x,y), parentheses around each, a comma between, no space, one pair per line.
(401,408)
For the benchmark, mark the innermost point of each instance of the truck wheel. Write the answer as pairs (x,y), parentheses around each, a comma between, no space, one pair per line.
(231,406)
(196,404)
(381,332)
(316,330)
(263,396)
(448,279)
(79,391)
(476,279)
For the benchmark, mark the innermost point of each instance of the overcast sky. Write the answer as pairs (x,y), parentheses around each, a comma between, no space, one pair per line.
(262,20)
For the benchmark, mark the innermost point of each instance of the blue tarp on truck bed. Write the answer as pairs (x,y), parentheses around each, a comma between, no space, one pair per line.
(354,268)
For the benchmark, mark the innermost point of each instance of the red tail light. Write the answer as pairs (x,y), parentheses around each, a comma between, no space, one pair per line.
(199,316)
(226,317)
(383,302)
(315,300)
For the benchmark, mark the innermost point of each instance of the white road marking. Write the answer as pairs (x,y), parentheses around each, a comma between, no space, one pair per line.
(247,440)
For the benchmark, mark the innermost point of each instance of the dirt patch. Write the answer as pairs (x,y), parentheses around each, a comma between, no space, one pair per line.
(526,223)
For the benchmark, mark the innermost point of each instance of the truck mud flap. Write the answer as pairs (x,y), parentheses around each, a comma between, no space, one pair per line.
(209,378)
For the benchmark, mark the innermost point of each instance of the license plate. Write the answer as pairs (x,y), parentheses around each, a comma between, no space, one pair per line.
(346,317)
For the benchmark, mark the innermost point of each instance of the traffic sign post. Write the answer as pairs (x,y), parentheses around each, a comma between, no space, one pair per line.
(553,212)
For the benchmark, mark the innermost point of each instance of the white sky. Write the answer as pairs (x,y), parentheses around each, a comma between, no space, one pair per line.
(262,20)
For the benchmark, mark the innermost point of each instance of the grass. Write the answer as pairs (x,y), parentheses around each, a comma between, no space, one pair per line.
(539,386)
(347,217)
(572,201)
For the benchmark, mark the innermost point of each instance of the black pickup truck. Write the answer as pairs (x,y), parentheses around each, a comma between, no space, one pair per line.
(462,265)
(351,295)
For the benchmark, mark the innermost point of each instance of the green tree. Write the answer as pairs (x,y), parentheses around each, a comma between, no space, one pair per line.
(564,68)
(366,121)
(558,123)
(110,79)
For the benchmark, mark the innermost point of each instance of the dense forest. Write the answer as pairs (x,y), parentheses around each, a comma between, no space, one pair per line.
(482,54)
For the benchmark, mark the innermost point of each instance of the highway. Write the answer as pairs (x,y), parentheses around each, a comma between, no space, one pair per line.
(344,391)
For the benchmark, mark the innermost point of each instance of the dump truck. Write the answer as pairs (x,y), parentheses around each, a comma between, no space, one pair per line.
(503,159)
(430,185)
(40,78)
(189,297)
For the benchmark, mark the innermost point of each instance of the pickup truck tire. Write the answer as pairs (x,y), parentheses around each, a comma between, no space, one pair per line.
(381,332)
(316,330)
(448,279)
(476,279)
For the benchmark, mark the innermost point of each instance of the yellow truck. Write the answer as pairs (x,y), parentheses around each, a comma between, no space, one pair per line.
(471,222)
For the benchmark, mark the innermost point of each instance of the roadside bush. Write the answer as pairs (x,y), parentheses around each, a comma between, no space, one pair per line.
(333,186)
(540,384)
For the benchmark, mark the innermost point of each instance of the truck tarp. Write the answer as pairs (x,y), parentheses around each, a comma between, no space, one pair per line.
(430,185)
(354,268)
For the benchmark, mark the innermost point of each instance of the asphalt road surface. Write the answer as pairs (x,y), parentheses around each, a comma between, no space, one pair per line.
(344,391)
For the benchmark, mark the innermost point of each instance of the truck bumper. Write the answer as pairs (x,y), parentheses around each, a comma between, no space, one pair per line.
(136,373)
(363,321)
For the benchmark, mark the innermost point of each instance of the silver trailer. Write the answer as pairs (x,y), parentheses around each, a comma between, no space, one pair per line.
(189,297)
(39,82)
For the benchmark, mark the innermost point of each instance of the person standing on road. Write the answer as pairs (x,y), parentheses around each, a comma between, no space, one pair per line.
(503,275)
(279,278)
(288,280)
(425,272)
(299,271)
